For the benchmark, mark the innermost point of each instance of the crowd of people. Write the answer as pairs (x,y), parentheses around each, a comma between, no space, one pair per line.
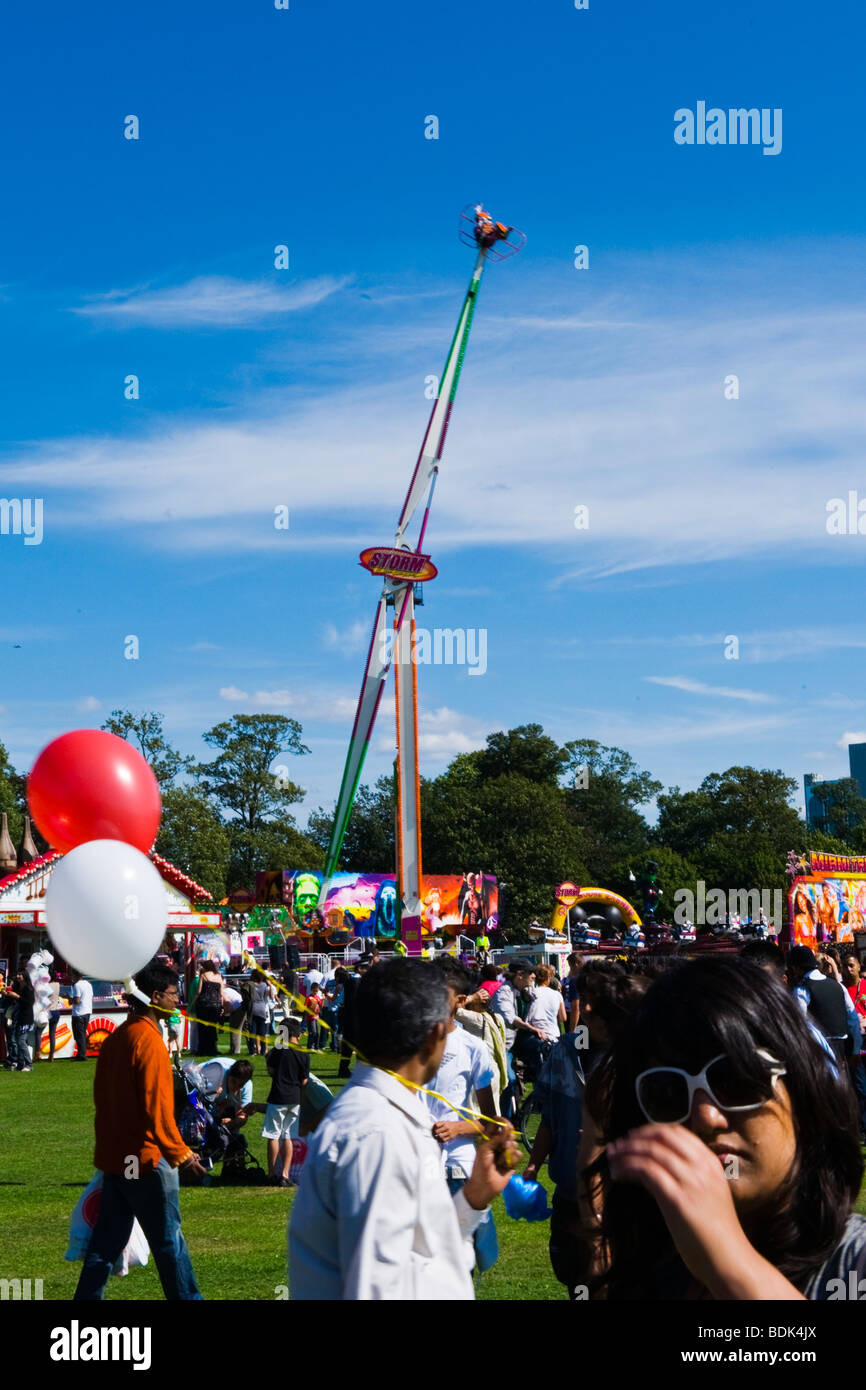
(701,1123)
(24,1019)
(248,1007)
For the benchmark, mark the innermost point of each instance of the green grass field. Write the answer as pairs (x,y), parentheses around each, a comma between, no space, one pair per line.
(236,1235)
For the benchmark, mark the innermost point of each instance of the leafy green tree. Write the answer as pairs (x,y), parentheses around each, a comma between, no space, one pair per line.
(604,788)
(277,844)
(319,824)
(811,838)
(249,790)
(193,837)
(12,799)
(674,872)
(686,821)
(145,732)
(737,827)
(509,826)
(526,751)
(369,843)
(498,810)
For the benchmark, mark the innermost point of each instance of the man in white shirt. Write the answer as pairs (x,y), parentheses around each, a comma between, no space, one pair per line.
(82,1008)
(465,1076)
(373,1218)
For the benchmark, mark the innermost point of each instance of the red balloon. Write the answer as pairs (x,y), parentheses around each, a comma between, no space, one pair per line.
(92,785)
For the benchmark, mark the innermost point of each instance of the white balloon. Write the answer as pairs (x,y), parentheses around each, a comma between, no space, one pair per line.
(106,909)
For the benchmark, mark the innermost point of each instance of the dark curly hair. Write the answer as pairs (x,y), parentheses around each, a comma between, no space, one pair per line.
(156,975)
(613,991)
(689,1015)
(397,1004)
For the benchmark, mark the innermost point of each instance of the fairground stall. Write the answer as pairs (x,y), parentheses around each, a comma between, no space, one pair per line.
(23,931)
(365,906)
(827,899)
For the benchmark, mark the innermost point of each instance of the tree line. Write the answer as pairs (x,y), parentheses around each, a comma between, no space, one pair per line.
(526,808)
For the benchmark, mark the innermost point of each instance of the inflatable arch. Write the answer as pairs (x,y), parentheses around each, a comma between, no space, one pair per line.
(569,895)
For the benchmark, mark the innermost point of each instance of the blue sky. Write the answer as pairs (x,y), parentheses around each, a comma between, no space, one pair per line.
(601,387)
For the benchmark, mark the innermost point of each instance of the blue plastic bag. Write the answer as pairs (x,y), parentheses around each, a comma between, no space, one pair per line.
(526,1200)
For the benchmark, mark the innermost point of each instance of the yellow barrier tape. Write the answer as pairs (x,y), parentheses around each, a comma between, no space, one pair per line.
(473,1116)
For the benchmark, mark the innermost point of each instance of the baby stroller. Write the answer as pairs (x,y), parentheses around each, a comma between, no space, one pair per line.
(528,1116)
(208,1135)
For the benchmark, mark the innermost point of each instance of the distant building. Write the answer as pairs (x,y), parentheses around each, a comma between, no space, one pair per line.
(816,810)
(857,764)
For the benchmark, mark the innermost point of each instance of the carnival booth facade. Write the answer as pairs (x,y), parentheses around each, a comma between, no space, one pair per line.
(24,935)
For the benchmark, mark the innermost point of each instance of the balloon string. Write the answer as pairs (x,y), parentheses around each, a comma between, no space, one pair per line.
(297,999)
(473,1115)
(227,1028)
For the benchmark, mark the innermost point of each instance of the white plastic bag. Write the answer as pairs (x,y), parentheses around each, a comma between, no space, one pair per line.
(82,1222)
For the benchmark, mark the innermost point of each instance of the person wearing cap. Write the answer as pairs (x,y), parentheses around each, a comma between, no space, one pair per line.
(138,1146)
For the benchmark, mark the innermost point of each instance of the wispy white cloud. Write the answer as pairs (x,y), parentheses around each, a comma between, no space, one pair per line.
(693,687)
(767,645)
(672,472)
(88,704)
(319,704)
(849,738)
(210,301)
(565,322)
(638,734)
(797,643)
(350,639)
(840,702)
(442,734)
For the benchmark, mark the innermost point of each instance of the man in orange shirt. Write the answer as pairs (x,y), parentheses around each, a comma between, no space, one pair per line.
(138,1146)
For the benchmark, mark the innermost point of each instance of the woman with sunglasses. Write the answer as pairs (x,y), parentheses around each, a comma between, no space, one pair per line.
(731,1162)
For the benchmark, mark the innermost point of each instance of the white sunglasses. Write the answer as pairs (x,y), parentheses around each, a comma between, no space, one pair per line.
(665,1094)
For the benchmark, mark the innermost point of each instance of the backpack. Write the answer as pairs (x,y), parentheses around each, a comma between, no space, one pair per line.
(209,996)
(827,1008)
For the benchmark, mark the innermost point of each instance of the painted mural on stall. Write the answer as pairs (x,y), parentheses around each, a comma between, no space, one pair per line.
(827,899)
(365,905)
